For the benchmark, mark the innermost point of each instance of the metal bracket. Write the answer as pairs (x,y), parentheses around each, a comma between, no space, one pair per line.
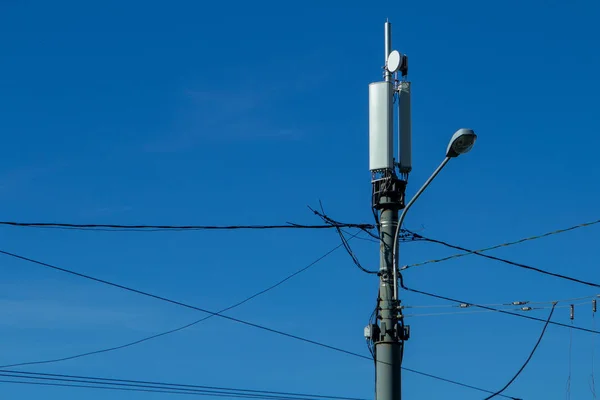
(404,333)
(388,191)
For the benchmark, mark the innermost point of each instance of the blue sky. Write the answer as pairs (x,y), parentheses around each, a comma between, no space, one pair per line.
(245,113)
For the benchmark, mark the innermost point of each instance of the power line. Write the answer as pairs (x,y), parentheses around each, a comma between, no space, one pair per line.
(458,383)
(146,389)
(366,239)
(528,358)
(503,260)
(178,303)
(165,385)
(524,306)
(174,386)
(247,299)
(437,296)
(288,225)
(100,387)
(247,323)
(523,309)
(331,222)
(556,232)
(592,382)
(349,250)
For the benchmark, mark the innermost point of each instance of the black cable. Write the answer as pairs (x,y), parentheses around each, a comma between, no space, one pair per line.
(249,393)
(178,303)
(335,224)
(541,271)
(352,255)
(289,335)
(464,385)
(288,225)
(159,389)
(496,309)
(106,350)
(528,358)
(112,388)
(362,238)
(376,217)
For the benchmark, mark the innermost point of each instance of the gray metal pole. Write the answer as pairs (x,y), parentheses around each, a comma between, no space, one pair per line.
(388,345)
(387,49)
(388,336)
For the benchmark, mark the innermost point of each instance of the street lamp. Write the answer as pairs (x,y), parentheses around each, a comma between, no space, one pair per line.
(461,142)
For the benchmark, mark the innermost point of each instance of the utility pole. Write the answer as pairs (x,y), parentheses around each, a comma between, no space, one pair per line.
(388,332)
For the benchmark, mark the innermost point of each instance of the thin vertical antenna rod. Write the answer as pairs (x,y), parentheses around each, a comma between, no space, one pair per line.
(388,49)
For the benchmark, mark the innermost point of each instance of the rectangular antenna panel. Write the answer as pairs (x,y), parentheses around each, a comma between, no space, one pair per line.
(381,126)
(405,128)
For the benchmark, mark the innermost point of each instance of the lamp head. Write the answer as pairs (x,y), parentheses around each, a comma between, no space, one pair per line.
(462,142)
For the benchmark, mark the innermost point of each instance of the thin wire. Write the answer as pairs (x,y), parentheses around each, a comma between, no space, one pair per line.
(155,228)
(112,388)
(446,313)
(247,323)
(247,299)
(487,311)
(564,300)
(509,303)
(593,377)
(460,384)
(568,391)
(349,250)
(556,232)
(160,389)
(524,266)
(169,386)
(495,309)
(355,260)
(528,358)
(362,238)
(178,303)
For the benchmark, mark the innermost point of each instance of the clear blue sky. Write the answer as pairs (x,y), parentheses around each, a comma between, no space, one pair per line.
(246,112)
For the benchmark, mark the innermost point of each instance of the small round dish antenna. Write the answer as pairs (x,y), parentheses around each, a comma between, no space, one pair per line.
(393,61)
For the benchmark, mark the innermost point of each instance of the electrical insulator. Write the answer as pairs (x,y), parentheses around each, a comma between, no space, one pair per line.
(464,305)
(519,303)
(572,316)
(594,305)
(526,308)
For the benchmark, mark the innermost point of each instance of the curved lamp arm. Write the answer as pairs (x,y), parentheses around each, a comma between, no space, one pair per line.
(401,220)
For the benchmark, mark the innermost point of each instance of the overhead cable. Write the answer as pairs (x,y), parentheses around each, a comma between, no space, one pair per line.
(331,222)
(288,225)
(556,232)
(510,306)
(247,323)
(520,265)
(437,296)
(528,358)
(129,344)
(174,388)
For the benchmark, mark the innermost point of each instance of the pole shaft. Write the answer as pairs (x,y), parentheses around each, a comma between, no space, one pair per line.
(387,347)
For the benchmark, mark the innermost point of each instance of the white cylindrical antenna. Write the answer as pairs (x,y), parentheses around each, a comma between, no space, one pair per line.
(388,48)
(381,126)
(404,128)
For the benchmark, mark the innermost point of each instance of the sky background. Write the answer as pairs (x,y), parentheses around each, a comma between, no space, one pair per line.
(189,112)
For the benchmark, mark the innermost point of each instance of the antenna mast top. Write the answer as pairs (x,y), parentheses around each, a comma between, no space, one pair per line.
(388,48)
